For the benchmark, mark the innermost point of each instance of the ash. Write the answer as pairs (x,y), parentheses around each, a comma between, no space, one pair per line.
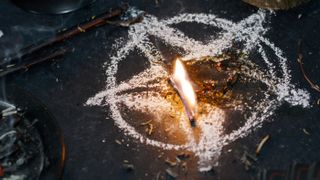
(21,149)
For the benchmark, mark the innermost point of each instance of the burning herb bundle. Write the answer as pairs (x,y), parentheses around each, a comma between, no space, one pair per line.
(214,77)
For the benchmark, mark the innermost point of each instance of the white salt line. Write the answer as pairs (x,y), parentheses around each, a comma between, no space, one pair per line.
(253,121)
(209,148)
(266,60)
(201,18)
(282,60)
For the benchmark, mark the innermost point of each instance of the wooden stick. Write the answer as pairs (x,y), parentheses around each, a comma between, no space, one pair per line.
(67,34)
(300,61)
(19,67)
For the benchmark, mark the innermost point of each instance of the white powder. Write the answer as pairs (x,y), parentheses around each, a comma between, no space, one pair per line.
(249,31)
(1,33)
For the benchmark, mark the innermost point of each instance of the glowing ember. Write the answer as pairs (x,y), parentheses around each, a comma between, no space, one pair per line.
(181,83)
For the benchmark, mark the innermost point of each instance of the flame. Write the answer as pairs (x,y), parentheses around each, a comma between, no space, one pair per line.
(185,88)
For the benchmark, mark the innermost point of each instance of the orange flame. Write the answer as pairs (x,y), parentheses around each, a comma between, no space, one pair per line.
(183,85)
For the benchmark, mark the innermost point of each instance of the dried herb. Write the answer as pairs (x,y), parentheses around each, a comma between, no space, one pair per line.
(218,66)
(170,163)
(184,167)
(118,142)
(146,123)
(160,155)
(80,29)
(171,173)
(149,128)
(262,143)
(300,61)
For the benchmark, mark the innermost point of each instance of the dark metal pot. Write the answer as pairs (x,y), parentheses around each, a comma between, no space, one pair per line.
(51,6)
(276,4)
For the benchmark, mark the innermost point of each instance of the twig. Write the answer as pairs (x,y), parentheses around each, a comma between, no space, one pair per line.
(306,131)
(262,142)
(34,62)
(170,163)
(300,61)
(9,67)
(146,123)
(150,129)
(67,34)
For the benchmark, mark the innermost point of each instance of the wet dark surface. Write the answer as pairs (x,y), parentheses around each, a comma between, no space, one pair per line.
(65,85)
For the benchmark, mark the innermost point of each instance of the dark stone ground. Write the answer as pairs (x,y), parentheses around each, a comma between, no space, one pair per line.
(63,86)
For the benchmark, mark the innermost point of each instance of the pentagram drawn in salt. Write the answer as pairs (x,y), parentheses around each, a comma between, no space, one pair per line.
(250,32)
